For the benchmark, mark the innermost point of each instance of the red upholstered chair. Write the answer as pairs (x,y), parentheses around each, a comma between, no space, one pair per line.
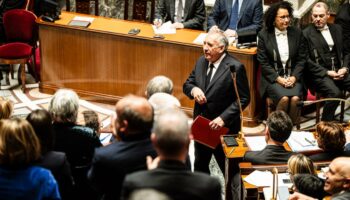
(21,38)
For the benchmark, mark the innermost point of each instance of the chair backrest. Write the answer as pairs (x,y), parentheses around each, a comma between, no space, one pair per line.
(20,26)
(139,10)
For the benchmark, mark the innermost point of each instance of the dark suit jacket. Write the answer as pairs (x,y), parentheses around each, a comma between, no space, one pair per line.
(343,19)
(250,15)
(271,154)
(328,156)
(172,178)
(194,13)
(78,142)
(267,44)
(58,164)
(111,163)
(316,41)
(220,94)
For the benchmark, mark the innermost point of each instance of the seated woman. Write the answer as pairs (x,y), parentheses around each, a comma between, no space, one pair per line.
(331,139)
(300,164)
(19,178)
(78,142)
(55,161)
(281,54)
(6,108)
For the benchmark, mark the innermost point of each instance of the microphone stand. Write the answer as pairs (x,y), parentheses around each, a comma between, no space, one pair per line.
(233,75)
(274,183)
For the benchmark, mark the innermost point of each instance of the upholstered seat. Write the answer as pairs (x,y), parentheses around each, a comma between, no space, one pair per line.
(21,37)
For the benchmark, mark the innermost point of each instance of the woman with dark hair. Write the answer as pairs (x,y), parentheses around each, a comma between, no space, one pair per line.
(19,178)
(281,54)
(331,139)
(55,161)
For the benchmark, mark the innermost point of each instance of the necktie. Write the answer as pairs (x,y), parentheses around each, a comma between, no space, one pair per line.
(179,12)
(234,16)
(207,79)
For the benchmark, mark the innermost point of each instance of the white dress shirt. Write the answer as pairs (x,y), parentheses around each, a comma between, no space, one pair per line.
(216,65)
(327,36)
(282,44)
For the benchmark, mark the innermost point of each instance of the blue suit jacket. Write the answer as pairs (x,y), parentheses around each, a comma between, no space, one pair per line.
(250,15)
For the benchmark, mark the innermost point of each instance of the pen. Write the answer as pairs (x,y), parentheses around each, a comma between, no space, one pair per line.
(309,141)
(231,151)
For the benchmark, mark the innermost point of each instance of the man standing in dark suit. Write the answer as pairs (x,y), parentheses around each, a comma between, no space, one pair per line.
(234,16)
(171,138)
(278,130)
(111,163)
(211,86)
(327,61)
(182,13)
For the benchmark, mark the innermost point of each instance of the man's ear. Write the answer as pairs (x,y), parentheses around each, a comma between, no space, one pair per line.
(154,139)
(346,184)
(123,126)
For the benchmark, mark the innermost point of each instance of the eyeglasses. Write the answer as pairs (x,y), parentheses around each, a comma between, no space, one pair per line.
(284,17)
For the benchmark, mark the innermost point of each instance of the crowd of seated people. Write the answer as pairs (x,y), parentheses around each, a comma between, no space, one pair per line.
(72,164)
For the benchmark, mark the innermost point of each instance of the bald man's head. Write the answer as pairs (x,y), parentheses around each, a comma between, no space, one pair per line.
(134,116)
(338,176)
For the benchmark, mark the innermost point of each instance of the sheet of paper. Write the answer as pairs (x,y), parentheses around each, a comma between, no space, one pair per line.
(264,179)
(165,28)
(200,38)
(88,19)
(255,143)
(302,141)
(105,137)
(259,178)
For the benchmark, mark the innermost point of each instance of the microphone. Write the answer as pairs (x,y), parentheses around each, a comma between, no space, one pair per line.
(233,74)
(232,67)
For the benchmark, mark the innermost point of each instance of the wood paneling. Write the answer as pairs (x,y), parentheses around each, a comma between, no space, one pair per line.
(104,63)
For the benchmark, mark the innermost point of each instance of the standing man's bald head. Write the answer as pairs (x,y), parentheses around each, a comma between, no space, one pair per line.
(134,116)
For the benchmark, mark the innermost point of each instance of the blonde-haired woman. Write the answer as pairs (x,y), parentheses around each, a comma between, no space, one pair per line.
(19,149)
(6,108)
(300,164)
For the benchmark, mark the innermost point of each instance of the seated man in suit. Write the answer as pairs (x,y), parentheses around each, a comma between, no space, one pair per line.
(159,84)
(337,181)
(171,138)
(133,129)
(327,63)
(234,16)
(279,127)
(182,13)
(343,19)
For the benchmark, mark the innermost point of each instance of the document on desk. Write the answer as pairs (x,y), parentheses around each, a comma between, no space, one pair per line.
(264,179)
(300,141)
(255,143)
(166,28)
(203,134)
(81,21)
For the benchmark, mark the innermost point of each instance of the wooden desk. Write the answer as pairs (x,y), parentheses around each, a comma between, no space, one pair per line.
(103,62)
(255,192)
(233,156)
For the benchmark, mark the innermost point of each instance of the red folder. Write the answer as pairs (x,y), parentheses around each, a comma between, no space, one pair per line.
(203,134)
